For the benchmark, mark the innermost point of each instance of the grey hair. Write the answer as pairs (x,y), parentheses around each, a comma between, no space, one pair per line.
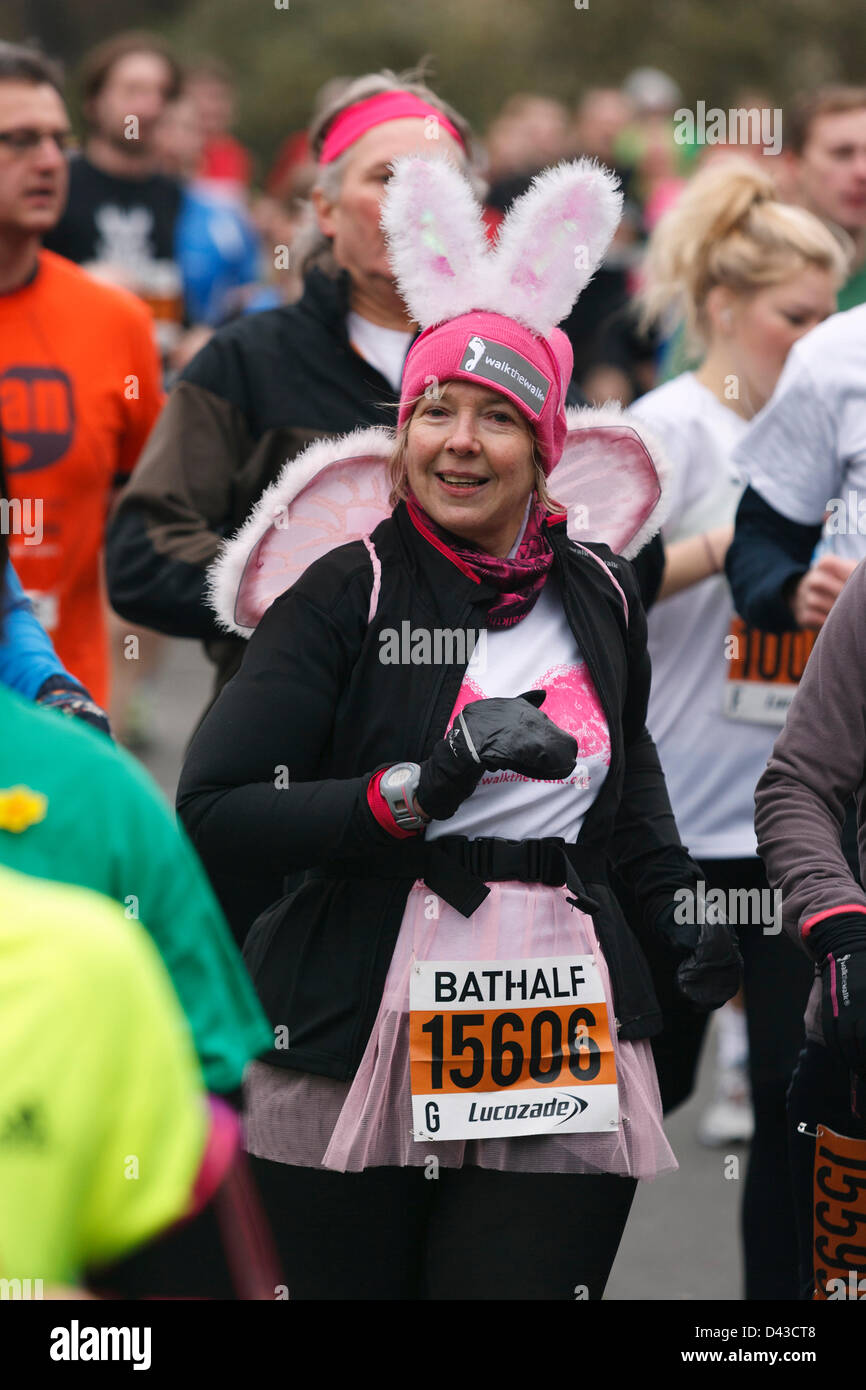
(26,63)
(310,246)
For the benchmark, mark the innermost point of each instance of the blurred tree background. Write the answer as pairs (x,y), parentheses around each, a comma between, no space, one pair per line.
(482,51)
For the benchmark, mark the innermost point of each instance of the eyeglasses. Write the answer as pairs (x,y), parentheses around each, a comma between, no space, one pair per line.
(24,141)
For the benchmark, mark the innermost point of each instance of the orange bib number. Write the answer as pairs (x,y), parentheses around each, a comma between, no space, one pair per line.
(840,1216)
(764,671)
(510,1047)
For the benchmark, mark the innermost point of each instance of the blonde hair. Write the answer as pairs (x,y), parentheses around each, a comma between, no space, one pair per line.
(398,471)
(310,245)
(729,228)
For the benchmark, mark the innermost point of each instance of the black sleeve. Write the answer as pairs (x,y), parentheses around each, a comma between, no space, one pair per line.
(649,566)
(251,792)
(767,557)
(153,590)
(176,509)
(622,343)
(645,848)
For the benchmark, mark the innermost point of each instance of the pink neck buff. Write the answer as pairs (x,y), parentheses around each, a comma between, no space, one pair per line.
(356,120)
(518,580)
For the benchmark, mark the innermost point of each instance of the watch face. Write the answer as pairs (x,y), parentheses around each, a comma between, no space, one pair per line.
(398,776)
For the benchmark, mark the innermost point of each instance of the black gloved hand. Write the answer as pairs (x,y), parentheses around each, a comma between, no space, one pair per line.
(503,732)
(839,946)
(711,968)
(71,698)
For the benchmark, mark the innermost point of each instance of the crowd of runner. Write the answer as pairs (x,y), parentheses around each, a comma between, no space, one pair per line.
(396,1007)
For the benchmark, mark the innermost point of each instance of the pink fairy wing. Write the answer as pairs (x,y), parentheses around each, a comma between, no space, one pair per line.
(343,502)
(609,483)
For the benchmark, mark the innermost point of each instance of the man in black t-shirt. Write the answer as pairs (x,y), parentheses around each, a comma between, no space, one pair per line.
(119,224)
(120,219)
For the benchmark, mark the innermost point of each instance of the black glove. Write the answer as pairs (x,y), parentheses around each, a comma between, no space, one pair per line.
(711,968)
(839,946)
(505,732)
(71,698)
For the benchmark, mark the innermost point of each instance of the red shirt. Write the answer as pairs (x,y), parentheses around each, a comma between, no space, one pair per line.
(225,158)
(79,391)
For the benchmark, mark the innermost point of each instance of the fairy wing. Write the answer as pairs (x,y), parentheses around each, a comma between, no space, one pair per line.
(335,492)
(611,479)
(345,501)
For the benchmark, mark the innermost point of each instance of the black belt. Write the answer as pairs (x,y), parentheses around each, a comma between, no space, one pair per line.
(459,869)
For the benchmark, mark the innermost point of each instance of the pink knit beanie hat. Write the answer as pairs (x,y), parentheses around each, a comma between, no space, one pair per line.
(489,315)
(499,353)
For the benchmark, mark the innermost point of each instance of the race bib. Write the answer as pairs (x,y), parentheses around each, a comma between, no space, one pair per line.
(500,1048)
(839,1230)
(45,608)
(764,671)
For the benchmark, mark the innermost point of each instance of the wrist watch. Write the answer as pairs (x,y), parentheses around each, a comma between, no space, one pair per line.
(398,786)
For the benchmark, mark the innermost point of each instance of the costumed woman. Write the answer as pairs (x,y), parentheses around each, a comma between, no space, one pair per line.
(440,716)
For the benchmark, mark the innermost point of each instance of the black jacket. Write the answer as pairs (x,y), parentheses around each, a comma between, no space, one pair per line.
(276,777)
(767,558)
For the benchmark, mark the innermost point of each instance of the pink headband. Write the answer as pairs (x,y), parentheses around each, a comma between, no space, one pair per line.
(356,120)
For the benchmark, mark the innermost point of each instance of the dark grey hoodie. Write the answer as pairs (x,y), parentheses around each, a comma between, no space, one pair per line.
(817,764)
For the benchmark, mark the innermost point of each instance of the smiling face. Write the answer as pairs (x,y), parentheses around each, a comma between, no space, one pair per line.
(469,462)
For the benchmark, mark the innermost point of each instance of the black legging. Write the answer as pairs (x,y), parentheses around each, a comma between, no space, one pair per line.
(469,1233)
(777,979)
(776,983)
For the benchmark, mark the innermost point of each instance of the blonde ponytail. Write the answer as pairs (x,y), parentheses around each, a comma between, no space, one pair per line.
(729,228)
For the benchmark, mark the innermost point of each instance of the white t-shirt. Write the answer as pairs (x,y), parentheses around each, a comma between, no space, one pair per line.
(384,348)
(808,444)
(711,762)
(538,653)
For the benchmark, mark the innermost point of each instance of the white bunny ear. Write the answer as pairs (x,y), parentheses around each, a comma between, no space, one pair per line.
(437,244)
(552,242)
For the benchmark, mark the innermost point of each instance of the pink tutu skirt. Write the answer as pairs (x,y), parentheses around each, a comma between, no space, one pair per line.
(296,1118)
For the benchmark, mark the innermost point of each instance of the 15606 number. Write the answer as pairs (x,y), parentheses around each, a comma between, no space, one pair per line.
(505,1054)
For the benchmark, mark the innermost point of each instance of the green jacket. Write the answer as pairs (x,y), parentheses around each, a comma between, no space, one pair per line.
(90,815)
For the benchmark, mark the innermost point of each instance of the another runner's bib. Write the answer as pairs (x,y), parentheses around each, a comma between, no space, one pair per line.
(765,670)
(507,1047)
(839,1205)
(45,607)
